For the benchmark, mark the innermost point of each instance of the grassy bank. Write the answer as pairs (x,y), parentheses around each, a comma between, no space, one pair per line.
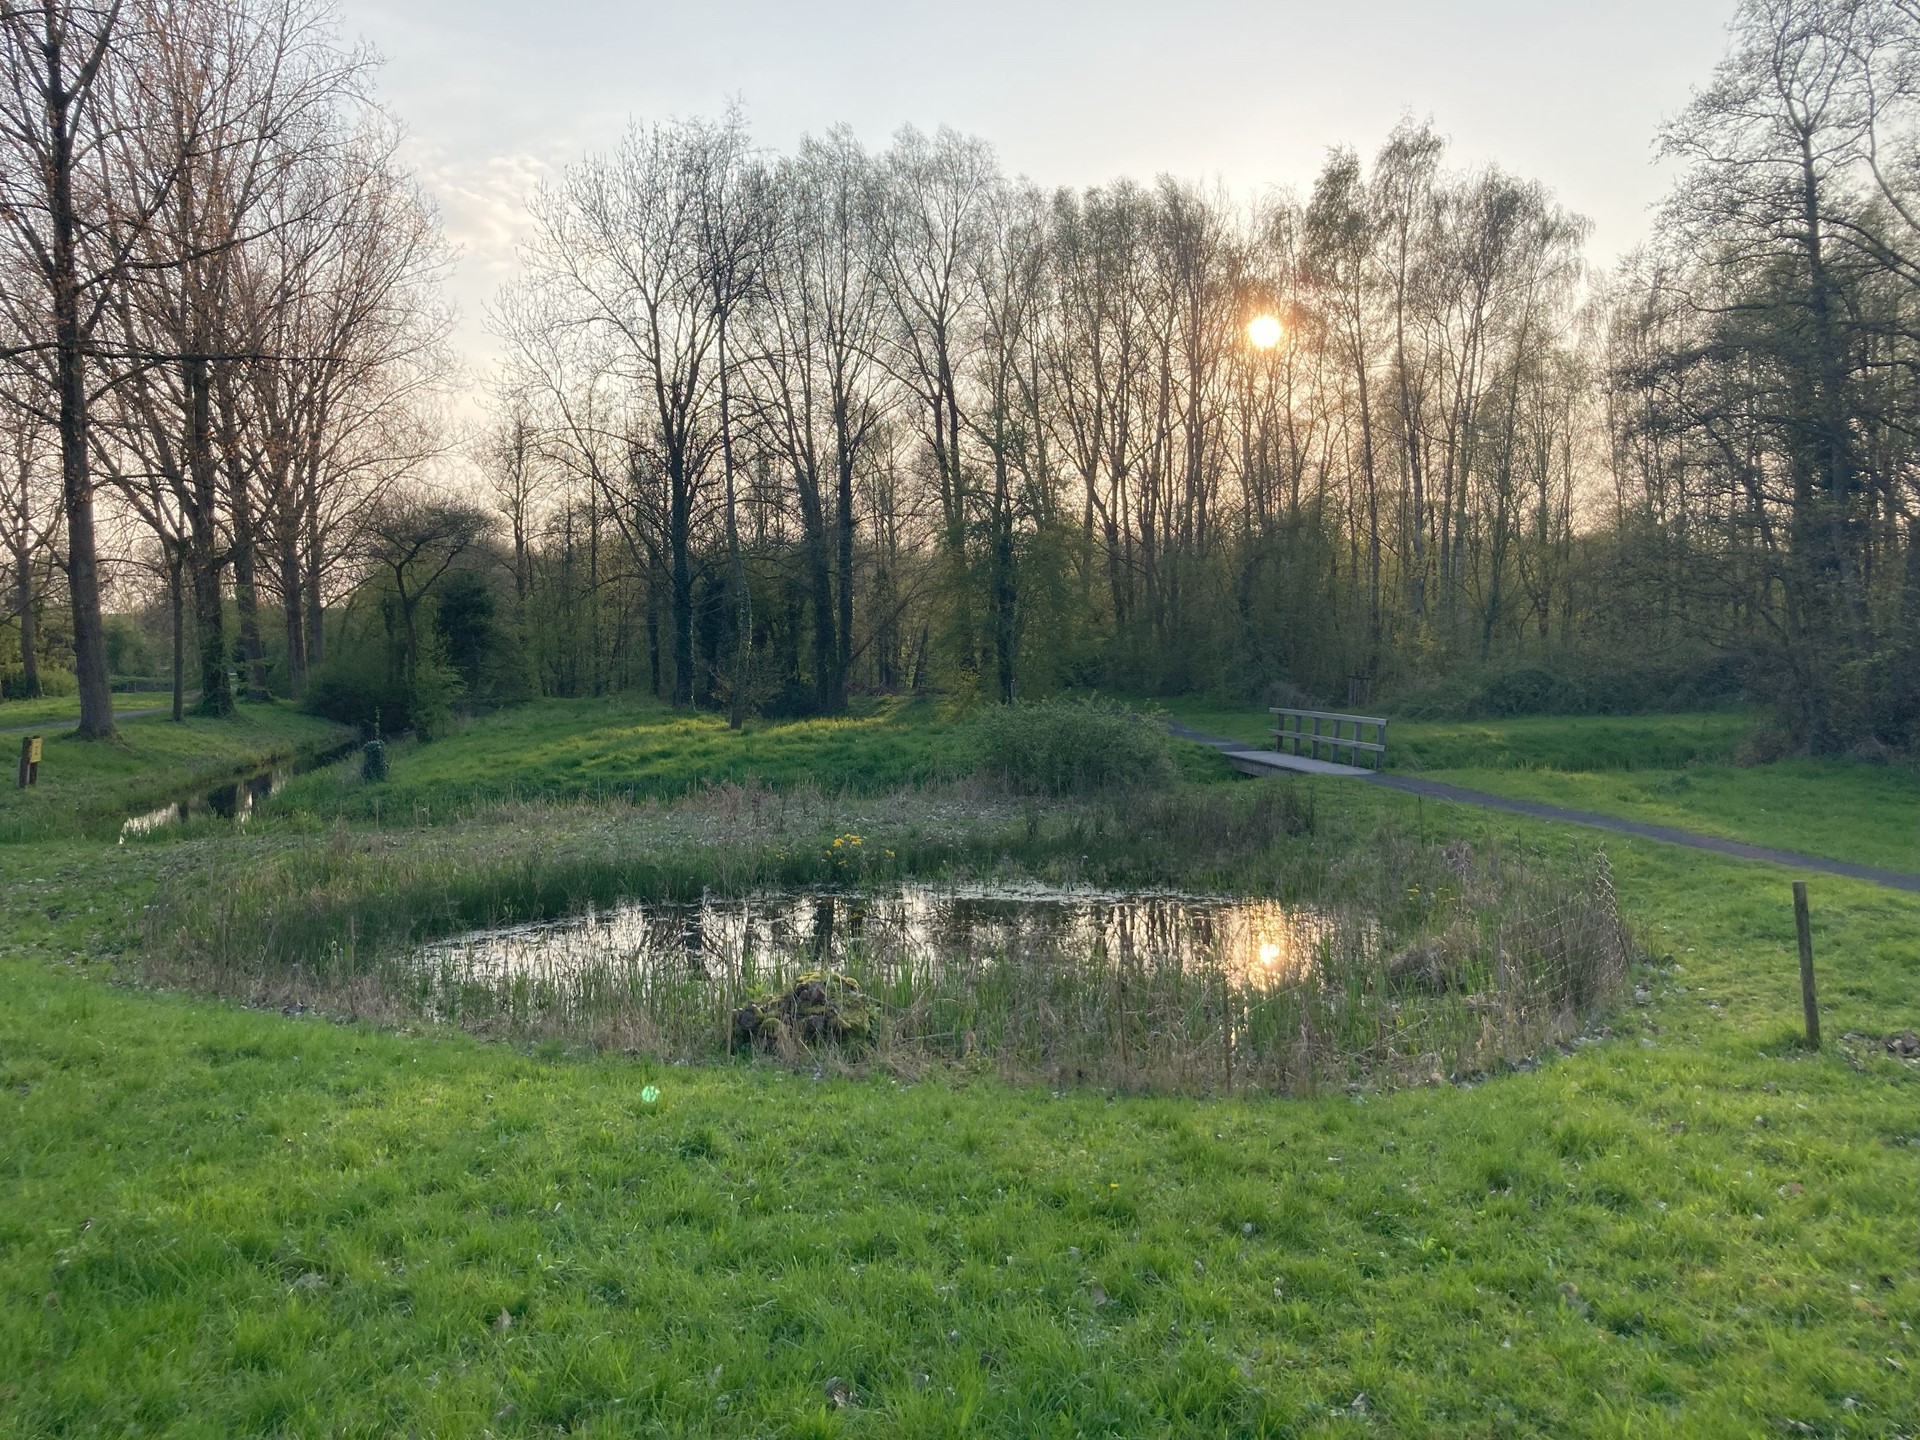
(628,748)
(1554,742)
(91,785)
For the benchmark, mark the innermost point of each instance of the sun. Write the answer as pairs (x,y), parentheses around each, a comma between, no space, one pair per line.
(1263,332)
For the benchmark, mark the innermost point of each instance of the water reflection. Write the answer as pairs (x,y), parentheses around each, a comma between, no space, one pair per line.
(234,801)
(913,931)
(227,802)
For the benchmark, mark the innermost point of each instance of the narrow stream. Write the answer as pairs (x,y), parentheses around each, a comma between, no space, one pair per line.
(234,800)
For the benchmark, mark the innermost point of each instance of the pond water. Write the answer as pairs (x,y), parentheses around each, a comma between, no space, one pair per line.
(913,932)
(233,801)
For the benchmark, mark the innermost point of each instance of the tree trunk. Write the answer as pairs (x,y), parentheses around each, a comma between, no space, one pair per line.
(679,537)
(742,598)
(843,524)
(316,612)
(813,540)
(83,574)
(290,599)
(29,644)
(1005,637)
(177,601)
(206,562)
(246,595)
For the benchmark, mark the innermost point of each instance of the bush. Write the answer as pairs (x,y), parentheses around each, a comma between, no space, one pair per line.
(360,683)
(1706,681)
(53,681)
(1065,747)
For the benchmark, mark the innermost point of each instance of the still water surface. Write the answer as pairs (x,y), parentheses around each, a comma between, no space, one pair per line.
(233,801)
(913,930)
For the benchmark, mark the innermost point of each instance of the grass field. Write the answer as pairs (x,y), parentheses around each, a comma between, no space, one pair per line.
(224,1221)
(1845,810)
(58,709)
(1662,769)
(623,749)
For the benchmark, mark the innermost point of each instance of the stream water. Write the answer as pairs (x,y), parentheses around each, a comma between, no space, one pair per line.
(234,800)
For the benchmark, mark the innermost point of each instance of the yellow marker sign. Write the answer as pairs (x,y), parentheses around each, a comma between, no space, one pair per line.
(33,750)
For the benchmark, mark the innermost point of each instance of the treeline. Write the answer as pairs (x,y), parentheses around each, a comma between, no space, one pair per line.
(219,323)
(776,426)
(889,418)
(775,429)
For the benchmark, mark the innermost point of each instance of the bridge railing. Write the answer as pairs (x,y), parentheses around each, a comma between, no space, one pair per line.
(1330,729)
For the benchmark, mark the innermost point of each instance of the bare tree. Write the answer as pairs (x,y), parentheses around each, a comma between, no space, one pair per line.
(60,127)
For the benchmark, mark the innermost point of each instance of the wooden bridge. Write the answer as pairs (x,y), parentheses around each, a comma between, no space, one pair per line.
(1337,732)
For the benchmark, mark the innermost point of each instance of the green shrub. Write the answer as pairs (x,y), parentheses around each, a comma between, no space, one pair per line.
(54,681)
(362,684)
(1065,747)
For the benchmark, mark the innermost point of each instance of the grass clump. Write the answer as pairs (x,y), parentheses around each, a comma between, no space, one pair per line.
(1071,746)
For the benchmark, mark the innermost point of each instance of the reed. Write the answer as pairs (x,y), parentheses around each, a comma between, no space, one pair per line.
(1425,961)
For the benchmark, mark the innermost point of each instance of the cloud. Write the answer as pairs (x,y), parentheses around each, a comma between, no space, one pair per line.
(482,200)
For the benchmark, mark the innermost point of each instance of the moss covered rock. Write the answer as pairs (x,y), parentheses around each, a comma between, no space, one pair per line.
(821,1006)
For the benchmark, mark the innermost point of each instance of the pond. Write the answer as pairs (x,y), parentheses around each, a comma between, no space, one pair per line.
(910,934)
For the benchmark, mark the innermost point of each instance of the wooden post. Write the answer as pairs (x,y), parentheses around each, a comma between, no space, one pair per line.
(29,761)
(1226,1025)
(1809,1002)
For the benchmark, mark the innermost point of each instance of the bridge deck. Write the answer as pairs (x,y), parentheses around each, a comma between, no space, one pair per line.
(1265,762)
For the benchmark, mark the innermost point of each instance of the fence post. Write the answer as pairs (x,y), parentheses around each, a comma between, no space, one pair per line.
(1808,1000)
(1226,1025)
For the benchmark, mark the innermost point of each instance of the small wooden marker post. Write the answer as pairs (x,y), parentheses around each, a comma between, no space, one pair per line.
(29,761)
(1808,1001)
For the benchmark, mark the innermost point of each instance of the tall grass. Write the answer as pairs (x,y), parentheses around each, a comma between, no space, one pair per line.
(1070,746)
(1430,960)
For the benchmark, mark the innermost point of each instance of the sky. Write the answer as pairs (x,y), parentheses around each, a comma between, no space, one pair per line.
(496,94)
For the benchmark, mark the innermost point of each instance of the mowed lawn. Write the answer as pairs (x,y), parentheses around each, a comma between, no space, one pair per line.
(215,1221)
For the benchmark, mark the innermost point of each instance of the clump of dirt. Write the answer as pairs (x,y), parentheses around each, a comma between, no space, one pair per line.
(822,1006)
